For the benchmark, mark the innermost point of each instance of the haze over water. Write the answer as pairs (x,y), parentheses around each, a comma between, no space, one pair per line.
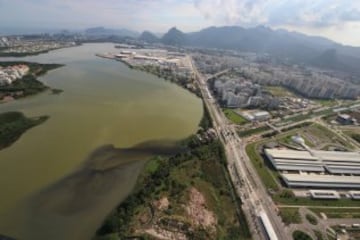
(103,102)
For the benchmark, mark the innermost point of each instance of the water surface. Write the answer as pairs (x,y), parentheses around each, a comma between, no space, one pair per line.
(103,102)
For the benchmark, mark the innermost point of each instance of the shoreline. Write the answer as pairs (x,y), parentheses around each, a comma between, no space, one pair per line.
(29,84)
(14,124)
(233,226)
(145,68)
(28,54)
(159,182)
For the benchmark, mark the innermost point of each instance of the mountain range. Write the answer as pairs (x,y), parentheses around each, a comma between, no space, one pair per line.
(101,31)
(297,47)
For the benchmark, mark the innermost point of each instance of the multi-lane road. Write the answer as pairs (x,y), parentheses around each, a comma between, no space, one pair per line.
(254,196)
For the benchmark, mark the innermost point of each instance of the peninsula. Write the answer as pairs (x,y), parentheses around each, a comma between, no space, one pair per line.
(14,124)
(19,79)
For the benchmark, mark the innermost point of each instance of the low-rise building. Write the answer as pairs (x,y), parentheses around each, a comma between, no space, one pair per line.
(345,119)
(262,116)
(324,194)
(321,181)
(355,195)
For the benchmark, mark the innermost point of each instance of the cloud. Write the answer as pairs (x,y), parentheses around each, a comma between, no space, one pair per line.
(314,13)
(352,15)
(232,11)
(156,15)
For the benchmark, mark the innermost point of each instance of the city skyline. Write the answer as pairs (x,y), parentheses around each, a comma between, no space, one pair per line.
(335,19)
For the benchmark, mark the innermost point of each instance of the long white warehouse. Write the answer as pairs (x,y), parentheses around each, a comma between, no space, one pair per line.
(323,181)
(316,161)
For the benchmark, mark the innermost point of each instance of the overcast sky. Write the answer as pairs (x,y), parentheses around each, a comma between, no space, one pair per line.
(336,19)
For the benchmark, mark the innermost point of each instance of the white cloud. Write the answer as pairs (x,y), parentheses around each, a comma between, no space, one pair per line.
(315,13)
(188,15)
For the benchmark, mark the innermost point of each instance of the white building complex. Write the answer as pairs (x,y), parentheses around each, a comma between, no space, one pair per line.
(12,73)
(326,169)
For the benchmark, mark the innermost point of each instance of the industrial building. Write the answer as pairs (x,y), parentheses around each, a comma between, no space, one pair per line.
(317,168)
(256,115)
(322,181)
(324,194)
(355,195)
(345,119)
(315,161)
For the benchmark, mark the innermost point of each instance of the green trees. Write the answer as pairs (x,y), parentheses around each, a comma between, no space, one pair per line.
(299,235)
(356,137)
(13,125)
(28,84)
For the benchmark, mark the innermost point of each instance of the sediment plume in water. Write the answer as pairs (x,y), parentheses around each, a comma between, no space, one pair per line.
(75,206)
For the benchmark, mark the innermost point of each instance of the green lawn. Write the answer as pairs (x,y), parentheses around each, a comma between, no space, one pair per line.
(338,212)
(326,102)
(311,219)
(279,91)
(253,131)
(318,235)
(314,202)
(234,117)
(258,162)
(328,136)
(302,117)
(290,215)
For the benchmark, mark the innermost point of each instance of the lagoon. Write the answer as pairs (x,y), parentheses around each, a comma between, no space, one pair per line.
(104,102)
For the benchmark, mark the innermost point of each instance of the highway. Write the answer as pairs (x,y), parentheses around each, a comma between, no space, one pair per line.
(246,181)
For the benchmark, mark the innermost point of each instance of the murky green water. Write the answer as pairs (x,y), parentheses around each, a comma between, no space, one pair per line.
(103,102)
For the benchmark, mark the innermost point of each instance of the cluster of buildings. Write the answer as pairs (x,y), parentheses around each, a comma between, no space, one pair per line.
(36,46)
(308,82)
(214,63)
(333,194)
(4,42)
(317,169)
(239,92)
(175,62)
(256,115)
(32,44)
(352,118)
(11,73)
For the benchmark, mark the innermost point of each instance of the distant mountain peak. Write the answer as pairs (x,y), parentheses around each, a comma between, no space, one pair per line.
(174,37)
(149,37)
(108,31)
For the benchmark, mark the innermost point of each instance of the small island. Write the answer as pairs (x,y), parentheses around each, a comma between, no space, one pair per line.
(19,79)
(14,124)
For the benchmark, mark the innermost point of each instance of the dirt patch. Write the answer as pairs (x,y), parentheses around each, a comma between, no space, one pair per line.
(198,212)
(164,234)
(162,204)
